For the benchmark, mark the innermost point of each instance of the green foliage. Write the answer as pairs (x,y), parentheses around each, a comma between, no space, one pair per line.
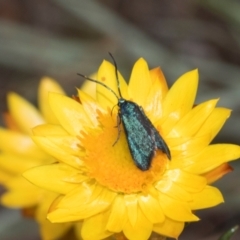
(227,235)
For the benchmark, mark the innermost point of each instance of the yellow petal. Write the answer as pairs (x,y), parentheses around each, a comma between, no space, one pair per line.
(177,141)
(24,113)
(179,99)
(188,149)
(10,122)
(153,103)
(56,151)
(151,208)
(212,157)
(157,75)
(5,176)
(52,177)
(16,143)
(20,193)
(118,215)
(95,227)
(214,122)
(19,182)
(42,209)
(193,120)
(106,74)
(47,85)
(55,203)
(131,203)
(69,144)
(69,113)
(19,199)
(217,173)
(190,182)
(176,210)
(208,197)
(85,201)
(17,164)
(90,87)
(49,230)
(140,82)
(141,230)
(49,130)
(170,188)
(169,228)
(78,229)
(90,106)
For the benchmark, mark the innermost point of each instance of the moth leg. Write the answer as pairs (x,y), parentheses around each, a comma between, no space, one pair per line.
(113,108)
(119,121)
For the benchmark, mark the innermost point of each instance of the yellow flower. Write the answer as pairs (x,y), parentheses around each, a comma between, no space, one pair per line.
(99,182)
(19,153)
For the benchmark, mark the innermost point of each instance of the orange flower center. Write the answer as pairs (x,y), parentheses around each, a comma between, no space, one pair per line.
(113,166)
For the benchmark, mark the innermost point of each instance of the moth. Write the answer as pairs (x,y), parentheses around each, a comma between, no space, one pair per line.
(142,137)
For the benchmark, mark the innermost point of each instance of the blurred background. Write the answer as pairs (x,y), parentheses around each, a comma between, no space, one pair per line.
(59,38)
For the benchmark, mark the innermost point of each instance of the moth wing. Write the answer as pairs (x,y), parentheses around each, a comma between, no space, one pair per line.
(161,144)
(157,138)
(140,138)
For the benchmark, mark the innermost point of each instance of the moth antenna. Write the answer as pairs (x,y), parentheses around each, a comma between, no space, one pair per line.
(116,73)
(104,85)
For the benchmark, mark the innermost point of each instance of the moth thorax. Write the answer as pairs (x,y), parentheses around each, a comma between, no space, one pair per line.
(121,101)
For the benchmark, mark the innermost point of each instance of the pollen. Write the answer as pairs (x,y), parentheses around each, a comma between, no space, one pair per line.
(111,165)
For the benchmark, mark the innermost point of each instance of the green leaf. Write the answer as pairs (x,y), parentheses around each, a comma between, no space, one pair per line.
(227,235)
